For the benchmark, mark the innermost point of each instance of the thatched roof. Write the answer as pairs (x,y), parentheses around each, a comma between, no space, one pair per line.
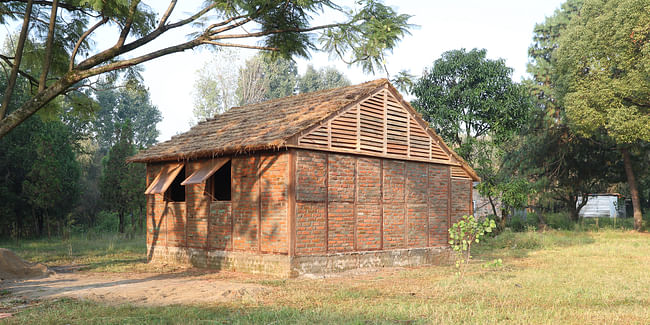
(265,125)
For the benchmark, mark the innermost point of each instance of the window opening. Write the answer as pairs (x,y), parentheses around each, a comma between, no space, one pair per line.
(176,191)
(218,186)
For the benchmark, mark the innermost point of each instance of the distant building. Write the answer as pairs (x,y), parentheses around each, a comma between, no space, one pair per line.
(604,205)
(481,204)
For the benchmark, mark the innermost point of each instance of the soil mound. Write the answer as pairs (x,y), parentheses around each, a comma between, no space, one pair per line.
(12,267)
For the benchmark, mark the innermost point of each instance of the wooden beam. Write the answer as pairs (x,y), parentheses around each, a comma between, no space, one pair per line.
(375,155)
(385,108)
(292,202)
(327,203)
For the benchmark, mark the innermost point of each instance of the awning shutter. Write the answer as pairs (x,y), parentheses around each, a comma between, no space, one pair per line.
(164,179)
(203,173)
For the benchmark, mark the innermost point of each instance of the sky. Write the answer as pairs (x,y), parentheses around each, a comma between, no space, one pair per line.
(503,27)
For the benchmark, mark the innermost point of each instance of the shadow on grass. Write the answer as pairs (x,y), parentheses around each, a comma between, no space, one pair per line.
(85,312)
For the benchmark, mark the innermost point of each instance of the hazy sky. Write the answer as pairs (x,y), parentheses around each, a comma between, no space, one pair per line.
(503,27)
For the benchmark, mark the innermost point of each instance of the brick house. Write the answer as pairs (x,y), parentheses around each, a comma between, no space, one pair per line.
(338,179)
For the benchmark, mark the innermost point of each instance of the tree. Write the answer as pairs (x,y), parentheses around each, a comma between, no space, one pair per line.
(321,79)
(562,165)
(52,184)
(116,107)
(603,63)
(264,77)
(472,102)
(216,85)
(64,35)
(466,96)
(122,184)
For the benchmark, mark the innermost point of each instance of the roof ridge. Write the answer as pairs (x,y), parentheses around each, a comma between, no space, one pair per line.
(297,96)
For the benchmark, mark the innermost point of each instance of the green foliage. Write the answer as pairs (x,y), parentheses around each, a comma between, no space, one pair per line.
(264,77)
(467,231)
(373,29)
(522,223)
(465,95)
(124,105)
(603,62)
(122,184)
(324,78)
(68,58)
(40,179)
(472,102)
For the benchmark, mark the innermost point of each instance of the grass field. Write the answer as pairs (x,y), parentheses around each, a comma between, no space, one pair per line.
(551,277)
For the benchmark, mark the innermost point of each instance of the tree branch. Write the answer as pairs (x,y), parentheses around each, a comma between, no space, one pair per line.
(46,3)
(114,52)
(274,31)
(227,28)
(127,26)
(32,80)
(48,47)
(19,54)
(82,38)
(165,16)
(266,48)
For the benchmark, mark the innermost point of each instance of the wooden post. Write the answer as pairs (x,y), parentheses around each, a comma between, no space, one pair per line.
(292,202)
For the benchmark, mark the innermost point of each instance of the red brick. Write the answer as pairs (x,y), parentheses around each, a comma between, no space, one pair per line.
(311,228)
(340,225)
(341,178)
(368,226)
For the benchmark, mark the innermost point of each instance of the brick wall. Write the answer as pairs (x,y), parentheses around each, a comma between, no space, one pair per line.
(245,199)
(438,205)
(198,209)
(347,202)
(254,220)
(274,178)
(460,198)
(220,226)
(343,203)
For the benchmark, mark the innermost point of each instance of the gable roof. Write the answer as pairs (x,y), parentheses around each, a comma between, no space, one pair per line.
(284,122)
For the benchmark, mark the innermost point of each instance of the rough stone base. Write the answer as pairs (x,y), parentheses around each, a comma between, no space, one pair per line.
(339,262)
(285,266)
(223,260)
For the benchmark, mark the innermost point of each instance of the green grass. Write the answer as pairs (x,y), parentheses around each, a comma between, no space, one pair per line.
(552,277)
(102,253)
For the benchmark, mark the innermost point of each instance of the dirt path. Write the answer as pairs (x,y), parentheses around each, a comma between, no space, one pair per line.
(139,289)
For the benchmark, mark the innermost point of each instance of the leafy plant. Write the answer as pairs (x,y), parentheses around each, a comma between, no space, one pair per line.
(464,233)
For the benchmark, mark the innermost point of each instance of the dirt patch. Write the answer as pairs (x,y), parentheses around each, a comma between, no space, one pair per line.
(13,267)
(138,289)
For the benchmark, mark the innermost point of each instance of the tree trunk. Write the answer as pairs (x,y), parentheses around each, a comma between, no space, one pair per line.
(631,182)
(11,83)
(494,208)
(121,223)
(42,82)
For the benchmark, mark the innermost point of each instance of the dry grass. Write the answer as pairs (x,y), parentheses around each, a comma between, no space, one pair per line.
(552,277)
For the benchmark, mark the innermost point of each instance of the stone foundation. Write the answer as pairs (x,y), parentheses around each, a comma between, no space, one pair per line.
(285,266)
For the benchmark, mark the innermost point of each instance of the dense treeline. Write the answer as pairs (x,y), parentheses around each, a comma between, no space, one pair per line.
(578,126)
(65,174)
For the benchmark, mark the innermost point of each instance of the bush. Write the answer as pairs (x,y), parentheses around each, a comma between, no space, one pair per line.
(518,223)
(560,221)
(107,222)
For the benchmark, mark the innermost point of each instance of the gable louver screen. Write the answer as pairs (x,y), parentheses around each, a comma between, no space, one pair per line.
(378,125)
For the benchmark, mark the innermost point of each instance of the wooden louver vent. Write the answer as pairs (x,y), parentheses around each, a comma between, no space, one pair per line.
(458,172)
(377,125)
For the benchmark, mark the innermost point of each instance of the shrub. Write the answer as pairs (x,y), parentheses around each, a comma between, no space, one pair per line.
(464,233)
